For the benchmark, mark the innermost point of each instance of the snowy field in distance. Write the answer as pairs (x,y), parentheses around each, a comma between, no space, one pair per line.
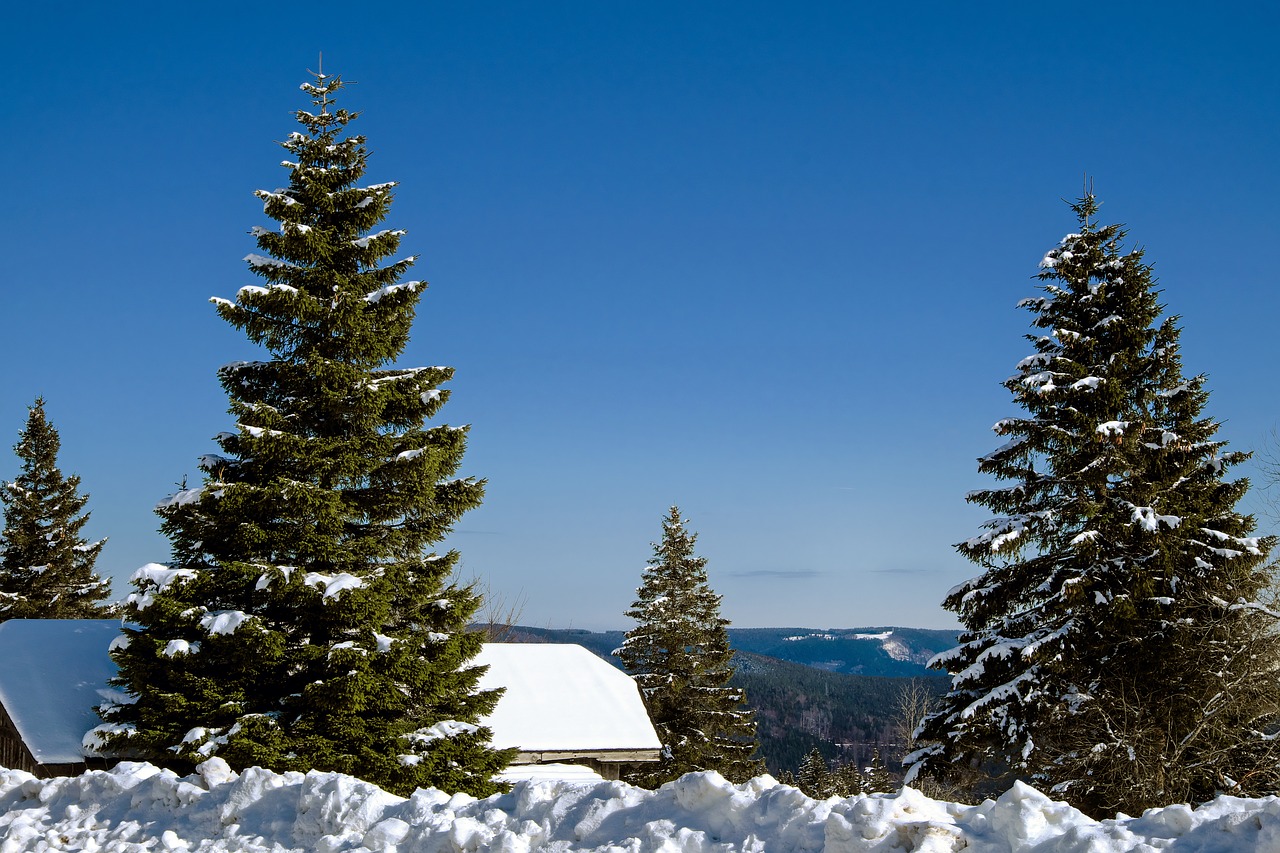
(138,807)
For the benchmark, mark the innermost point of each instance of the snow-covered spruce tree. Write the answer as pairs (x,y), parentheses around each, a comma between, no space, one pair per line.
(303,621)
(878,779)
(679,654)
(46,566)
(1119,647)
(815,777)
(848,781)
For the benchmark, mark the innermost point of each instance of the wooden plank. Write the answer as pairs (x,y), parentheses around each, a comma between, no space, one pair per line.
(608,756)
(14,753)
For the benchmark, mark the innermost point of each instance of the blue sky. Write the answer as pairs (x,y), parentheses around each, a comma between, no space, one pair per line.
(756,259)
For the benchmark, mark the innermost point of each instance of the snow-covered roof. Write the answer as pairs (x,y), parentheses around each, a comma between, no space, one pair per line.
(561,697)
(50,673)
(558,697)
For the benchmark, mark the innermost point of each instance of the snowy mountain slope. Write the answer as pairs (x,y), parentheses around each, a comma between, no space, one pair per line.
(137,807)
(886,651)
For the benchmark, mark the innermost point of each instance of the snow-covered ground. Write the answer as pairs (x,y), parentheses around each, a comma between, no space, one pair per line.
(138,807)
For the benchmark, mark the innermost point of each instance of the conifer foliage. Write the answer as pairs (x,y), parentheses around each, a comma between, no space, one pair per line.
(819,780)
(679,654)
(815,777)
(1120,646)
(878,779)
(303,621)
(46,566)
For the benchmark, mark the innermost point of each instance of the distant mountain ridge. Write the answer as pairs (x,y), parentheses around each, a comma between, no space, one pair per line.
(879,651)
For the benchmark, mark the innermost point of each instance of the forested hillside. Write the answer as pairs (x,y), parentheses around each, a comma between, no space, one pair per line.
(844,716)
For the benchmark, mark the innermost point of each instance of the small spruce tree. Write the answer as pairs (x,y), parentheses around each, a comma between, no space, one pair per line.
(848,781)
(679,654)
(878,779)
(1120,647)
(814,777)
(303,621)
(46,566)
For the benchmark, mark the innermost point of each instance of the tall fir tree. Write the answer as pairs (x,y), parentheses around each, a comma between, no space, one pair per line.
(303,621)
(1120,646)
(679,654)
(46,566)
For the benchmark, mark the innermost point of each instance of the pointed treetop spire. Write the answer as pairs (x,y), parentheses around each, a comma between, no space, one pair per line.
(1087,205)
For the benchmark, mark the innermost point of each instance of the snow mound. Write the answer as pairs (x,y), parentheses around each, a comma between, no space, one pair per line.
(139,807)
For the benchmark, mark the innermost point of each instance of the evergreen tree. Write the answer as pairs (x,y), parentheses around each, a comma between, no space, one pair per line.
(46,567)
(1118,647)
(303,621)
(815,777)
(679,654)
(847,780)
(878,779)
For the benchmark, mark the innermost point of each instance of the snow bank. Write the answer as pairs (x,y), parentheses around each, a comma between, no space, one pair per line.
(137,807)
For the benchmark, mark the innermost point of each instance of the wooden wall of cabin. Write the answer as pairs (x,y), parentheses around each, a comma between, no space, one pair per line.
(13,752)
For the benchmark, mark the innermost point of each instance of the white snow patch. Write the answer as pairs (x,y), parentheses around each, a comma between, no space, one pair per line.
(1147,518)
(1173,392)
(1112,429)
(332,584)
(160,576)
(363,242)
(180,647)
(376,296)
(223,621)
(263,262)
(441,731)
(182,498)
(1086,536)
(259,432)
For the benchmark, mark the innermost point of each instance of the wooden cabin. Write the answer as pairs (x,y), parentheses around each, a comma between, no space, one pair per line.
(562,703)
